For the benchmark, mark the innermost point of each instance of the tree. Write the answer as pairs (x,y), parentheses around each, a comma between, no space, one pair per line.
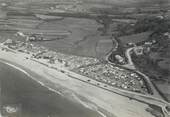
(105,20)
(154,24)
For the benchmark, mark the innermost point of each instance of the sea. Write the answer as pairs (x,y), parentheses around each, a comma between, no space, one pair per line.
(23,97)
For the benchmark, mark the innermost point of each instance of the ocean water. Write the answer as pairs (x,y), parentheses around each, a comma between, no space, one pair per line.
(33,100)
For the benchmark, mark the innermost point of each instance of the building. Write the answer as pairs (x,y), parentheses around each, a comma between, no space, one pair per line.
(20,34)
(119,59)
(138,50)
(8,42)
(167,34)
(52,60)
(35,37)
(131,44)
(148,43)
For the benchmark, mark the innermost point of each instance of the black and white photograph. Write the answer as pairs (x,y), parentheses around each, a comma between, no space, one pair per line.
(84,58)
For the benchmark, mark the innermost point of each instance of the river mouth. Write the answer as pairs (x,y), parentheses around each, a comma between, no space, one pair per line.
(30,99)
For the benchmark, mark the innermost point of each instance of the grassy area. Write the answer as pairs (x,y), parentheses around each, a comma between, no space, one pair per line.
(84,40)
(134,38)
(158,75)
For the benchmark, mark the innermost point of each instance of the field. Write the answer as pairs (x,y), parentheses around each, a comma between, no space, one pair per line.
(135,38)
(84,39)
(164,87)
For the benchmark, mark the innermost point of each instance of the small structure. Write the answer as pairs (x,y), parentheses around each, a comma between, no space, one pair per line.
(138,50)
(153,41)
(20,34)
(32,38)
(130,44)
(35,37)
(167,34)
(3,4)
(148,43)
(160,17)
(8,42)
(51,60)
(146,50)
(119,59)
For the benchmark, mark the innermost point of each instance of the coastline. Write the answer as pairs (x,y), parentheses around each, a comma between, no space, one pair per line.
(67,93)
(76,98)
(88,95)
(26,73)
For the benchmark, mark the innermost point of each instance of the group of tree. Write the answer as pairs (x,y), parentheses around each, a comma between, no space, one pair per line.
(154,24)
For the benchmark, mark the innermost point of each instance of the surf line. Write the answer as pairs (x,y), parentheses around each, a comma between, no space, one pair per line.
(33,78)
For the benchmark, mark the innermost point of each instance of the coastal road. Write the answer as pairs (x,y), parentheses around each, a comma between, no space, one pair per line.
(145,99)
(72,80)
(155,98)
(130,65)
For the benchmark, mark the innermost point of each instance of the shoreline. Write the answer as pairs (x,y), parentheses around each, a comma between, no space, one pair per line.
(93,96)
(27,74)
(76,97)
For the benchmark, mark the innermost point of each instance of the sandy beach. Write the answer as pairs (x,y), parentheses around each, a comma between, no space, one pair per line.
(92,97)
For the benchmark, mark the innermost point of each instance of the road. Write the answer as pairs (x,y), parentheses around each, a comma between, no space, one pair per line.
(155,98)
(130,64)
(146,99)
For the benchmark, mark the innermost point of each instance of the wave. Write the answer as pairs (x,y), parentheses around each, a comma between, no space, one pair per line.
(88,105)
(27,74)
(85,104)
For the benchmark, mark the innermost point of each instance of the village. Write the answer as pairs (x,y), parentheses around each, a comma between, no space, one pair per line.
(114,76)
(90,67)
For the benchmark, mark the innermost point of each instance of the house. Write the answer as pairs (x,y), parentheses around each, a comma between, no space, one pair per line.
(20,34)
(167,34)
(131,44)
(8,42)
(148,43)
(52,60)
(146,50)
(119,59)
(138,50)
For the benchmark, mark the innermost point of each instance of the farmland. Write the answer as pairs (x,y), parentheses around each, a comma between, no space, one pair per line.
(93,43)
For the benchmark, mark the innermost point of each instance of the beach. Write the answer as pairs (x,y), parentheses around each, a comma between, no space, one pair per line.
(102,101)
(35,100)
